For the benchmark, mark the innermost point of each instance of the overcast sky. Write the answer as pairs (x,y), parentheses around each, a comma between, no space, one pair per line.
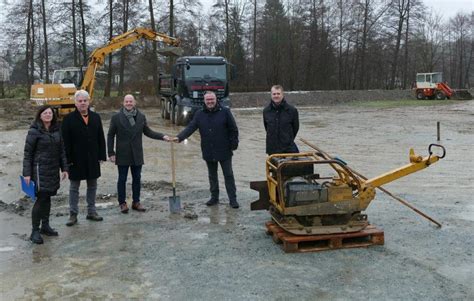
(446,8)
(450,8)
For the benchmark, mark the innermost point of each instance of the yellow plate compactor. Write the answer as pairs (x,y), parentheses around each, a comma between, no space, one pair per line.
(312,193)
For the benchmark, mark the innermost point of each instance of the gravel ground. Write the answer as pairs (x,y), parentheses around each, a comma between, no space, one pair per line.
(224,254)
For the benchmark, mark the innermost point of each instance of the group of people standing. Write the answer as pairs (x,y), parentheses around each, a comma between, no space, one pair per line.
(77,147)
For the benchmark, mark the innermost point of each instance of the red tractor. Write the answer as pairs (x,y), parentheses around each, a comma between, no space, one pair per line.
(431,86)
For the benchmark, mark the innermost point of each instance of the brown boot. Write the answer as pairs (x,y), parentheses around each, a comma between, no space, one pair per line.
(124,208)
(72,220)
(138,207)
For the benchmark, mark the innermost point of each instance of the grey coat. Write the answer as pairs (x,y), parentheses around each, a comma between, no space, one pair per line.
(129,149)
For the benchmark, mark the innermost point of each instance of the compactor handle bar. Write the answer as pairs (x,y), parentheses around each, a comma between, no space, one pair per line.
(438,145)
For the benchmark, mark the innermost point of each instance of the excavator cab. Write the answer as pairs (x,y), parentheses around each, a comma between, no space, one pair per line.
(68,76)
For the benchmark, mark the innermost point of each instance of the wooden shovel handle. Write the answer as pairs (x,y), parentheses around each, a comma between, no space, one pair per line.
(173,173)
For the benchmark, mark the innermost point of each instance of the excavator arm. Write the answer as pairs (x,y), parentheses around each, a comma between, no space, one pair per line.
(97,57)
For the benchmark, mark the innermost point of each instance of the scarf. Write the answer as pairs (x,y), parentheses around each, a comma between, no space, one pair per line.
(130,115)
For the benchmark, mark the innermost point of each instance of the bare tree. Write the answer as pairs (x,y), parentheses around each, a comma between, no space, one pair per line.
(123,50)
(402,8)
(74,33)
(108,83)
(45,37)
(83,29)
(154,60)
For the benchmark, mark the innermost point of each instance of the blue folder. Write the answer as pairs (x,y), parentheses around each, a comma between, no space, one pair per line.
(29,190)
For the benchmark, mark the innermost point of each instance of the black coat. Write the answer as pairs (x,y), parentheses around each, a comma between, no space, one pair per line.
(129,149)
(84,145)
(43,157)
(219,133)
(282,124)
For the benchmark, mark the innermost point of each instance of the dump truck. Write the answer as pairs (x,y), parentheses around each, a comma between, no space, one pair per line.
(431,86)
(182,91)
(60,93)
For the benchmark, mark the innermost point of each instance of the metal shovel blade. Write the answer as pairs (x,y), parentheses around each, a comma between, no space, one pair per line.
(175,204)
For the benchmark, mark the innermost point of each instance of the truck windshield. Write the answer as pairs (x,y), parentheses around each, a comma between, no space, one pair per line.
(437,78)
(206,71)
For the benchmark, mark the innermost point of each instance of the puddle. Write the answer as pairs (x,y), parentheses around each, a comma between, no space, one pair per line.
(7,249)
(104,205)
(198,235)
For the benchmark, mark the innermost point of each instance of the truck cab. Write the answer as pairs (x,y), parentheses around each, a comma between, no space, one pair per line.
(182,92)
(428,80)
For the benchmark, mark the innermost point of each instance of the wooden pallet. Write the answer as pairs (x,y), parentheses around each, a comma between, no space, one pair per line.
(292,243)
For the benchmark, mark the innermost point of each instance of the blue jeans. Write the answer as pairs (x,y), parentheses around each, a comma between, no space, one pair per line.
(122,182)
(228,179)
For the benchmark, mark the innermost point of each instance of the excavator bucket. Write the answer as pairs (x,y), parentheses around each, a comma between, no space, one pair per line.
(171,51)
(461,95)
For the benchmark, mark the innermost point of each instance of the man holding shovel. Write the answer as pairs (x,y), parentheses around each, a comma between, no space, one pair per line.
(127,128)
(219,137)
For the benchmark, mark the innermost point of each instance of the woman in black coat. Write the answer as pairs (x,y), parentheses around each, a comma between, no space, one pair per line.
(44,156)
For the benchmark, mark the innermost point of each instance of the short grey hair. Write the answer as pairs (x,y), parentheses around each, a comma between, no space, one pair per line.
(210,92)
(81,93)
(277,87)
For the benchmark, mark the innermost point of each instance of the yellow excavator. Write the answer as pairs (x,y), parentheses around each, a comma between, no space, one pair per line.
(60,93)
(312,193)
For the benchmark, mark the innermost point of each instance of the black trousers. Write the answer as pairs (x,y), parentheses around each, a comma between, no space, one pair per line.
(226,167)
(41,209)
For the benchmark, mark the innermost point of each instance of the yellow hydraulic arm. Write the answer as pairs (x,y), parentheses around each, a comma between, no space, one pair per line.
(97,57)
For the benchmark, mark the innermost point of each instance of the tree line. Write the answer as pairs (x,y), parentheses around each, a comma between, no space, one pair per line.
(302,45)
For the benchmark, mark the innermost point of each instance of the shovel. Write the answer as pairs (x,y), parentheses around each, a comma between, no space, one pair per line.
(175,201)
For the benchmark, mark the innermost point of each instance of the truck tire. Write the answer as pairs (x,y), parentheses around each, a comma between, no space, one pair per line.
(173,114)
(179,115)
(440,95)
(167,109)
(163,109)
(420,95)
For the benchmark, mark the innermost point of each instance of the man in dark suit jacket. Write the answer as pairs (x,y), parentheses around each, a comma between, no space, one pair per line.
(281,124)
(84,143)
(219,137)
(127,127)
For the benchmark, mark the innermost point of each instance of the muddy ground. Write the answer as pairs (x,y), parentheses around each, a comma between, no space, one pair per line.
(224,254)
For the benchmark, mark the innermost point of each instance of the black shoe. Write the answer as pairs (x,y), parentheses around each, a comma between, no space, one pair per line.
(72,220)
(212,202)
(94,217)
(234,204)
(36,237)
(47,230)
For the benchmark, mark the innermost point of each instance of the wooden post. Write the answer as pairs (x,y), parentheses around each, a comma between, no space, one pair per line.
(438,131)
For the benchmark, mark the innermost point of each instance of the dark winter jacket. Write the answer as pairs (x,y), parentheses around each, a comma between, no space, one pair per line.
(84,145)
(281,123)
(219,133)
(129,149)
(43,157)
